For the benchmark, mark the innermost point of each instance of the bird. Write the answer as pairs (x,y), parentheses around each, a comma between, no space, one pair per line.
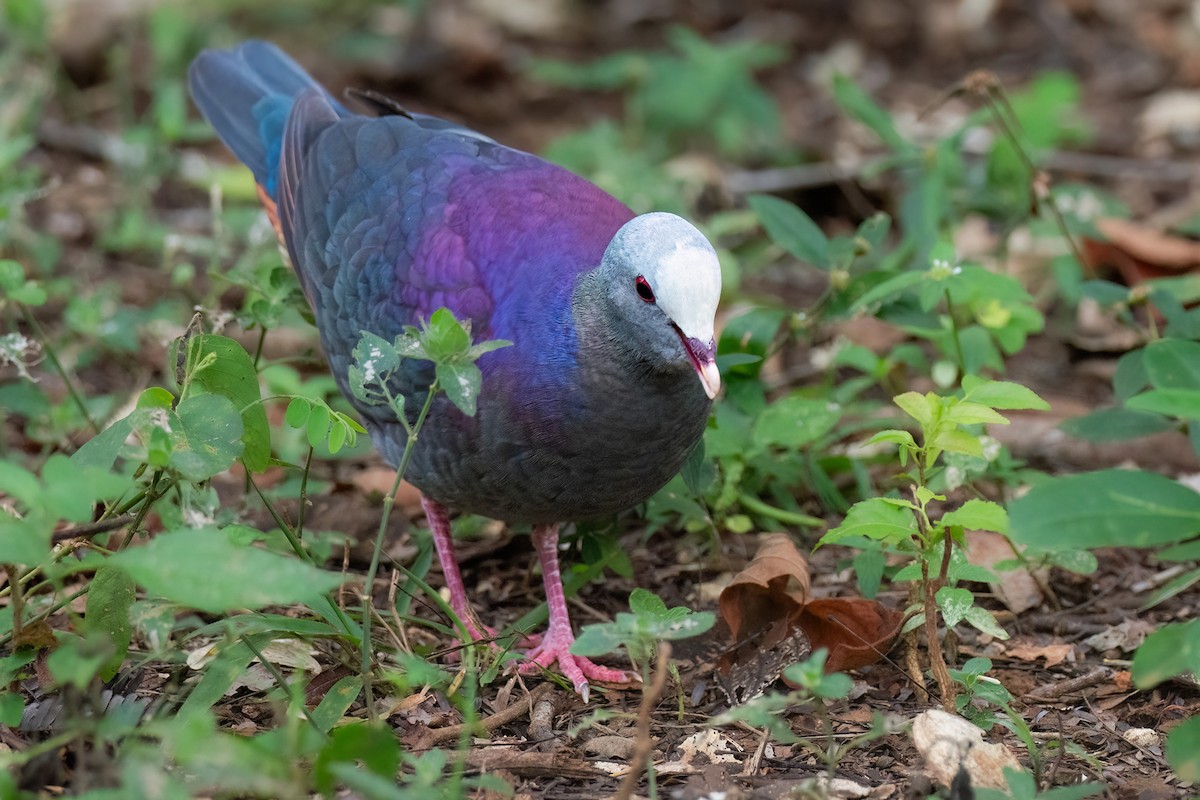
(388,215)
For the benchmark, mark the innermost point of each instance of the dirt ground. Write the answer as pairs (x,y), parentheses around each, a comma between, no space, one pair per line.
(1067,663)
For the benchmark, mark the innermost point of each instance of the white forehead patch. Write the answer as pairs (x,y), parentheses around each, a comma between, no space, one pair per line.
(687,284)
(679,264)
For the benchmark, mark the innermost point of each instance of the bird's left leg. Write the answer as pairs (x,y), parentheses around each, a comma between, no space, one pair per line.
(438,517)
(556,643)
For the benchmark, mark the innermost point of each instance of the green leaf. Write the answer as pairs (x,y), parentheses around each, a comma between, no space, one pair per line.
(982,619)
(795,421)
(1183,750)
(1115,424)
(1130,377)
(918,406)
(297,412)
(967,413)
(232,375)
(979,515)
(956,441)
(204,569)
(902,438)
(1109,508)
(888,289)
(855,102)
(372,746)
(317,426)
(461,382)
(1183,403)
(875,519)
(598,640)
(445,337)
(1173,364)
(12,708)
(109,598)
(954,604)
(645,602)
(206,434)
(792,229)
(1171,650)
(1002,394)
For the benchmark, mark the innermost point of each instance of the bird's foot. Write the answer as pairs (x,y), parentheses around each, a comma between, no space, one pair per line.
(555,647)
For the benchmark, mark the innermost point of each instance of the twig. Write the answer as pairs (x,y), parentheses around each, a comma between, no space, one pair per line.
(92,529)
(489,724)
(644,744)
(1056,690)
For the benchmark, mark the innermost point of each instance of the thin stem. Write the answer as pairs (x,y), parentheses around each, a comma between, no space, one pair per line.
(40,332)
(282,524)
(150,497)
(752,503)
(376,553)
(303,494)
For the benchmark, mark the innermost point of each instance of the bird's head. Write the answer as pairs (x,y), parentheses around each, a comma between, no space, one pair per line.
(664,281)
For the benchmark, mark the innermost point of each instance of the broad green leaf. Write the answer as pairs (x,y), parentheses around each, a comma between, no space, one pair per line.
(1183,750)
(875,519)
(967,413)
(792,229)
(1173,364)
(954,604)
(461,383)
(918,406)
(795,421)
(376,356)
(1183,403)
(1171,650)
(231,374)
(445,337)
(1115,424)
(903,438)
(317,427)
(360,745)
(598,640)
(203,569)
(982,619)
(206,436)
(979,515)
(1130,377)
(642,601)
(12,707)
(1001,394)
(78,660)
(297,412)
(956,441)
(110,595)
(336,701)
(1109,508)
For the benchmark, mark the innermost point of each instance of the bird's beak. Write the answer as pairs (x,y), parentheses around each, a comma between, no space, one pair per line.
(704,359)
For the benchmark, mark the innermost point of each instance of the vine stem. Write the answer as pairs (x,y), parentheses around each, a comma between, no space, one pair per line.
(377,552)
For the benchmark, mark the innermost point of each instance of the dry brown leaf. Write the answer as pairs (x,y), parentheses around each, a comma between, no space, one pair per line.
(1017,588)
(1053,653)
(773,586)
(771,596)
(1154,247)
(854,630)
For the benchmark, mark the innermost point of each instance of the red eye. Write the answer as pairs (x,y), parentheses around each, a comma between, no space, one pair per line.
(643,289)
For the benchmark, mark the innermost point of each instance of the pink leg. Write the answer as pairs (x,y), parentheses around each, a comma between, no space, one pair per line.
(556,644)
(439,523)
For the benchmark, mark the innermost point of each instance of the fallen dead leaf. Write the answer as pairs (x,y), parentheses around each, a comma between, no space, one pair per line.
(1126,637)
(856,631)
(1053,653)
(774,585)
(767,608)
(1017,588)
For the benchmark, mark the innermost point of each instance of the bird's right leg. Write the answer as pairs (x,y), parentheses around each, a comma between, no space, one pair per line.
(439,524)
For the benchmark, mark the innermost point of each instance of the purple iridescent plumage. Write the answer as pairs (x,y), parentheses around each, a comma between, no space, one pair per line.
(597,401)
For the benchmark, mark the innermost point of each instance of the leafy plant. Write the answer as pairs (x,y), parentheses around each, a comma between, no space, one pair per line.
(910,528)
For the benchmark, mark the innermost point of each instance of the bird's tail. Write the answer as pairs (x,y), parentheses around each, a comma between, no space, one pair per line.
(247,93)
